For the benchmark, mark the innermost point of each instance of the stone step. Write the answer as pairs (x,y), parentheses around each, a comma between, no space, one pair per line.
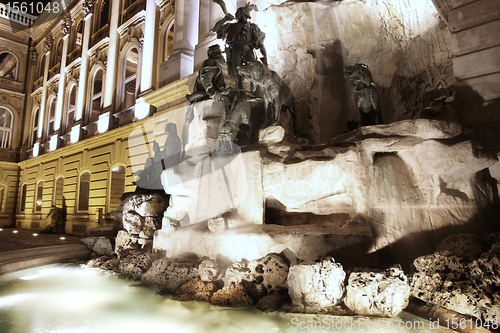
(13,261)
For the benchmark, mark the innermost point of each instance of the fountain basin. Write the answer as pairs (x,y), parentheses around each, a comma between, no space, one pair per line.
(75,298)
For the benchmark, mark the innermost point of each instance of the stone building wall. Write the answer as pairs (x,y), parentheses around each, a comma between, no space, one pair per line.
(475,41)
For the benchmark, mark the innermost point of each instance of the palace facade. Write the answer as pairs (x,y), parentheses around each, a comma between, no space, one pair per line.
(85,91)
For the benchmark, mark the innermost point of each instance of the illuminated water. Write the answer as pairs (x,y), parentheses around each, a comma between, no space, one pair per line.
(72,298)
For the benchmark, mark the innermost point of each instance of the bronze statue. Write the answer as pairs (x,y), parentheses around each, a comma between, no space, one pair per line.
(210,81)
(241,37)
(227,142)
(277,95)
(365,94)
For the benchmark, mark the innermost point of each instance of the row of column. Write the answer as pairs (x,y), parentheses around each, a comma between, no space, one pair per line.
(192,36)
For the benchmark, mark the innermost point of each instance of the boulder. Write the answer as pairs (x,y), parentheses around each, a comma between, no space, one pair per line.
(316,284)
(169,274)
(103,247)
(89,242)
(144,205)
(270,303)
(462,245)
(125,243)
(209,270)
(134,265)
(271,135)
(377,293)
(260,277)
(234,296)
(97,262)
(195,290)
(111,264)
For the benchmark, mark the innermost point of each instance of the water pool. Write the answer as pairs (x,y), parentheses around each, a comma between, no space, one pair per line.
(74,298)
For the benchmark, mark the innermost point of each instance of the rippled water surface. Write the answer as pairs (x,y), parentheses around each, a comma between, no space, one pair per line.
(74,298)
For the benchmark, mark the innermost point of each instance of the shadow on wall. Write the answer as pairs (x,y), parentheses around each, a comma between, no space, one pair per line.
(414,245)
(334,102)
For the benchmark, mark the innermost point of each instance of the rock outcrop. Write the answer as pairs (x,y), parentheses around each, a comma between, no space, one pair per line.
(101,245)
(141,217)
(411,180)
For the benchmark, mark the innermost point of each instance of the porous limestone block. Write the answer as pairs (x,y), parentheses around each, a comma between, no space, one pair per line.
(316,284)
(263,276)
(144,204)
(377,293)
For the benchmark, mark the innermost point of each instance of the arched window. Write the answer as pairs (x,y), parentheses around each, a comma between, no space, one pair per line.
(70,115)
(96,98)
(130,78)
(6,126)
(41,69)
(8,66)
(117,187)
(103,14)
(52,116)
(58,53)
(59,192)
(39,197)
(34,127)
(83,193)
(169,42)
(79,34)
(24,191)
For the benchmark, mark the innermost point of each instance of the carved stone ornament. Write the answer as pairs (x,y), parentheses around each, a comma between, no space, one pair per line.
(47,45)
(66,26)
(33,57)
(87,7)
(141,41)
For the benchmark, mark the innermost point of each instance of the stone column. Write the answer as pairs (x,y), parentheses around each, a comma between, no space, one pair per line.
(113,51)
(210,13)
(180,63)
(47,46)
(150,48)
(84,66)
(66,28)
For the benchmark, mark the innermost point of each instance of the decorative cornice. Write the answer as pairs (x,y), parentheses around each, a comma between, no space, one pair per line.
(47,45)
(66,26)
(88,6)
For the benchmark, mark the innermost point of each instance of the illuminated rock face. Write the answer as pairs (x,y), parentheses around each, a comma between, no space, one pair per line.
(406,178)
(385,184)
(378,294)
